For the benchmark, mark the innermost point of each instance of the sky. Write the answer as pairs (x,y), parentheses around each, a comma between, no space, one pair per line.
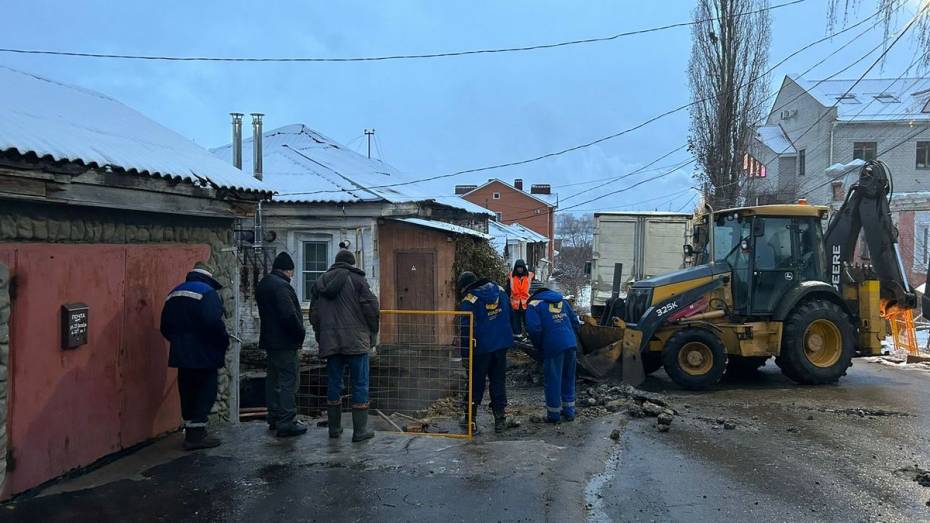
(431,116)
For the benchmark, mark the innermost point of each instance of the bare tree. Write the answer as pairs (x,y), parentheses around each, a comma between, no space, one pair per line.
(577,235)
(729,56)
(840,11)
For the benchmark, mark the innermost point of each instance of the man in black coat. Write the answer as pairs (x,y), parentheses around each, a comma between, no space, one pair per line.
(192,320)
(282,335)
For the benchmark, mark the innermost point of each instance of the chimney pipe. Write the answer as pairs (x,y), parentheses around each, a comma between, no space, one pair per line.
(518,184)
(257,145)
(237,140)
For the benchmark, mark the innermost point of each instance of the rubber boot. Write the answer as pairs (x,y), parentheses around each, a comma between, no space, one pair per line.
(360,430)
(474,420)
(196,438)
(500,421)
(334,420)
(568,413)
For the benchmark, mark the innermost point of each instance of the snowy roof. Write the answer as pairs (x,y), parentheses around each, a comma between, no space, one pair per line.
(531,235)
(642,213)
(443,226)
(302,165)
(461,203)
(885,99)
(552,199)
(68,123)
(773,137)
(502,234)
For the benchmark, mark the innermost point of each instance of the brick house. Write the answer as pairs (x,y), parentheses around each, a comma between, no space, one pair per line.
(815,127)
(511,204)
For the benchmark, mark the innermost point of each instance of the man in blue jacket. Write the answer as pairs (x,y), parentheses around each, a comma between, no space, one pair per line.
(551,325)
(490,307)
(192,320)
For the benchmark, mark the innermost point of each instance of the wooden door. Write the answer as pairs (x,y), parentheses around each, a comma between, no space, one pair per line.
(416,290)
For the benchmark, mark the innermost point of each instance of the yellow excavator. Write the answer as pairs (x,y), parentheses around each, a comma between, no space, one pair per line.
(766,282)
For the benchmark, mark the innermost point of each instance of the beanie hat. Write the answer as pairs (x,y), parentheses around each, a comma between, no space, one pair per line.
(345,256)
(465,279)
(202,268)
(283,262)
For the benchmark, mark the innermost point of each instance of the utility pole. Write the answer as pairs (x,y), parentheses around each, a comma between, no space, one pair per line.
(369,133)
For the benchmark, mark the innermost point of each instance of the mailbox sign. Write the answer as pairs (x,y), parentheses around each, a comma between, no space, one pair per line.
(74,321)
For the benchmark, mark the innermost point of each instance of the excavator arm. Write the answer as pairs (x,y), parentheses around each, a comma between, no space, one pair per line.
(866,209)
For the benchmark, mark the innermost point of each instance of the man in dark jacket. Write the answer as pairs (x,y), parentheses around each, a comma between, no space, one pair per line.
(344,314)
(282,335)
(491,312)
(552,326)
(192,320)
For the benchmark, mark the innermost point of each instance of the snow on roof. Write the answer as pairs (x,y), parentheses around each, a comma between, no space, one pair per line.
(68,123)
(773,137)
(461,203)
(302,165)
(642,213)
(531,235)
(502,234)
(552,199)
(443,226)
(880,99)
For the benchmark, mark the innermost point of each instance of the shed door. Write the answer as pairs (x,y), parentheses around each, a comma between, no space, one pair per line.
(416,290)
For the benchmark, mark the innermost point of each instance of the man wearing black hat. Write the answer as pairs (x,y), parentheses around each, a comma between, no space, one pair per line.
(344,315)
(282,335)
(192,320)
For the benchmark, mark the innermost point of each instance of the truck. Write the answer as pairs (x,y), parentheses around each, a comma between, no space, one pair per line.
(646,243)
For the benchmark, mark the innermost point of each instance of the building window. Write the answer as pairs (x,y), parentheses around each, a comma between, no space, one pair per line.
(752,167)
(496,196)
(499,216)
(802,159)
(923,155)
(866,151)
(315,261)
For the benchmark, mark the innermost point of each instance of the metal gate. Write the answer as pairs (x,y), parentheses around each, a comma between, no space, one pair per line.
(68,408)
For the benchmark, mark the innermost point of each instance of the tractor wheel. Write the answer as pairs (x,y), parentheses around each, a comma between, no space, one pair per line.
(694,358)
(652,361)
(818,343)
(744,366)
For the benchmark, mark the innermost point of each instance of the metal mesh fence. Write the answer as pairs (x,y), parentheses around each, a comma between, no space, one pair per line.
(418,378)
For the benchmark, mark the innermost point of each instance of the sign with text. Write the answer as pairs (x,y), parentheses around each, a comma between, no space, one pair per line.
(74,321)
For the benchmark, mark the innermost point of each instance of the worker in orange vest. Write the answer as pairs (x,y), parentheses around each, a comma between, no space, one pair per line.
(518,288)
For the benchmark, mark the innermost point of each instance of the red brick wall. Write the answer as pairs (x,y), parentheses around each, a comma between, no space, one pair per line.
(517,207)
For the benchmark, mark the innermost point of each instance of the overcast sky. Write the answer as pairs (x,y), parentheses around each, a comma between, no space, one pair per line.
(431,116)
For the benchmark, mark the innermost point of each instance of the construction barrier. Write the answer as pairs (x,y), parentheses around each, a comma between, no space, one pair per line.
(418,379)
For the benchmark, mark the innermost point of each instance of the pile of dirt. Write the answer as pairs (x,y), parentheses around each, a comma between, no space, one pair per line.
(442,408)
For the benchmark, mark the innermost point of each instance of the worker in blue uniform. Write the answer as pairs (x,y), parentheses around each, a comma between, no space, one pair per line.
(552,327)
(490,307)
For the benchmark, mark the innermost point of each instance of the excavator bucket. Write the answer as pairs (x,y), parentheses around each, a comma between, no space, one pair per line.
(600,348)
(633,371)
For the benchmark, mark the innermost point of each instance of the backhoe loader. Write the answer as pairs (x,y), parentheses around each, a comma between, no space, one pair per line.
(766,282)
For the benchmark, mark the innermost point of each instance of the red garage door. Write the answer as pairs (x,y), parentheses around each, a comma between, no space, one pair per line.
(69,408)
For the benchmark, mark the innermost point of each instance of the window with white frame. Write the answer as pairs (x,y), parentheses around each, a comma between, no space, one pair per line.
(315,260)
(496,196)
(923,155)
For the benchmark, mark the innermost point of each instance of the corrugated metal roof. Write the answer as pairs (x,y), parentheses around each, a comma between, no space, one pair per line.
(773,137)
(880,99)
(532,236)
(303,165)
(443,226)
(68,123)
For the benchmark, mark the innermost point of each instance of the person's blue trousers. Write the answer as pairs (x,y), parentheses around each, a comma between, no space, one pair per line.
(490,368)
(358,376)
(559,370)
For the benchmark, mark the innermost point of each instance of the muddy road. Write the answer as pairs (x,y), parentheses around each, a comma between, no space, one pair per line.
(767,449)
(762,449)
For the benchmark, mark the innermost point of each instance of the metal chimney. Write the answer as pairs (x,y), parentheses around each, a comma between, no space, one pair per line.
(237,139)
(257,145)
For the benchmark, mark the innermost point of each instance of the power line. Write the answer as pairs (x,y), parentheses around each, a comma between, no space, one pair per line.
(603,138)
(165,58)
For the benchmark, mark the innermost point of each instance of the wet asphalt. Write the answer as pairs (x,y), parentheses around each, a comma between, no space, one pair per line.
(794,454)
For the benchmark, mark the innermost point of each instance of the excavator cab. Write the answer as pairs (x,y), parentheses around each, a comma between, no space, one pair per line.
(769,255)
